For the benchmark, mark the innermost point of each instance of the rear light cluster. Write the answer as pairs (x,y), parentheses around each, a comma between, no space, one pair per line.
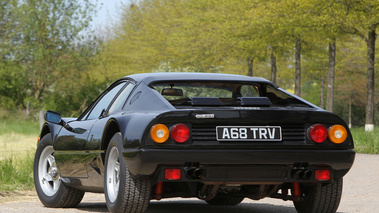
(318,133)
(322,175)
(179,132)
(172,174)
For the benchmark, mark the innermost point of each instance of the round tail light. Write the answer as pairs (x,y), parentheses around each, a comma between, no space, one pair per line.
(337,134)
(159,133)
(318,133)
(180,133)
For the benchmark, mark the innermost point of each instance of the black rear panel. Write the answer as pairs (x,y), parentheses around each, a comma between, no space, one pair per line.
(293,124)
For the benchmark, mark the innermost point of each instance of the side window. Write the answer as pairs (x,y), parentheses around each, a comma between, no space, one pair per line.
(120,100)
(249,91)
(104,102)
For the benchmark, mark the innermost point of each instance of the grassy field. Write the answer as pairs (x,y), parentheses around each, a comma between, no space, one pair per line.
(17,138)
(366,142)
(18,141)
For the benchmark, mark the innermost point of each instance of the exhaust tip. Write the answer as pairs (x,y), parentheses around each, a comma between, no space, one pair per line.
(194,173)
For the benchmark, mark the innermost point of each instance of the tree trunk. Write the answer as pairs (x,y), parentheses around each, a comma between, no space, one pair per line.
(350,112)
(322,90)
(370,79)
(331,67)
(41,119)
(27,109)
(250,63)
(273,67)
(298,67)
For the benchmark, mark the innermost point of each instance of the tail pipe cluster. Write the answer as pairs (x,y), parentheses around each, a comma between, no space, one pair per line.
(301,172)
(194,170)
(195,173)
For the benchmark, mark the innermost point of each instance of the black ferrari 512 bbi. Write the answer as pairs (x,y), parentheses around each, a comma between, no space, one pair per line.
(218,137)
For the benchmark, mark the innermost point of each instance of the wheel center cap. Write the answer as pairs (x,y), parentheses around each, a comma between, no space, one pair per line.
(53,171)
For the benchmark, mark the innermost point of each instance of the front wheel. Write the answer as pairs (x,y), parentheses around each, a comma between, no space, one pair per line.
(123,191)
(320,198)
(49,186)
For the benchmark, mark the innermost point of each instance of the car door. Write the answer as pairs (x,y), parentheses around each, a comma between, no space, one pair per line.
(70,147)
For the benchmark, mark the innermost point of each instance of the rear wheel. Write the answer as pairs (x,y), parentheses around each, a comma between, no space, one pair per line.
(226,200)
(123,191)
(49,186)
(320,198)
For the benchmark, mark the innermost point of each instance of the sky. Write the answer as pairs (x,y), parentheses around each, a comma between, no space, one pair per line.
(108,12)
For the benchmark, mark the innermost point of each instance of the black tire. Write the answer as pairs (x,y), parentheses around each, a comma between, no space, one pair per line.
(50,188)
(123,191)
(225,200)
(320,198)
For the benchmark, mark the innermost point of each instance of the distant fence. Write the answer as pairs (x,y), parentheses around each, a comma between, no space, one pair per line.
(36,115)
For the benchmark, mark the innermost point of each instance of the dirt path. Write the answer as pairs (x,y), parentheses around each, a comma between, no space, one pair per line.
(361,194)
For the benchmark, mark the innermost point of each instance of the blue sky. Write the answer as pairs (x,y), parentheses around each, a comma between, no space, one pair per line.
(110,10)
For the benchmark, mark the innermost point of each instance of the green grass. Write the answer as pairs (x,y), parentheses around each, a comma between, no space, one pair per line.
(18,141)
(16,173)
(24,127)
(17,138)
(366,142)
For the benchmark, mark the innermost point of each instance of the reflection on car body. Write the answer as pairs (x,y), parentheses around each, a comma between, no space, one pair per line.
(218,137)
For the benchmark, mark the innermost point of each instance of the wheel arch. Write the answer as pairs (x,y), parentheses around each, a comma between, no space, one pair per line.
(45,130)
(112,127)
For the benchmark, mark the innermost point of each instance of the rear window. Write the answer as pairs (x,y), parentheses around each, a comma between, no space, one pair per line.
(194,90)
(223,94)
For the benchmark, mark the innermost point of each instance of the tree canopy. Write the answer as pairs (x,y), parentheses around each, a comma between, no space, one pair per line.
(318,49)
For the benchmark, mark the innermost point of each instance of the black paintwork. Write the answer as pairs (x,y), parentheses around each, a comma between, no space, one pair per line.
(80,155)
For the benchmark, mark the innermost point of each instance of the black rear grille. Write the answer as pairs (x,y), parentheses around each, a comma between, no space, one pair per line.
(203,132)
(291,133)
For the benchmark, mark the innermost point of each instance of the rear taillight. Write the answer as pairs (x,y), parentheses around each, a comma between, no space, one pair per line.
(322,175)
(318,133)
(180,133)
(337,134)
(159,133)
(172,174)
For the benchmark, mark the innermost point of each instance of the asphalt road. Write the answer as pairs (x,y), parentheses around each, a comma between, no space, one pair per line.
(360,194)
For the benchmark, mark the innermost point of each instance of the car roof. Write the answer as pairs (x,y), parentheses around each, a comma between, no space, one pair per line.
(149,78)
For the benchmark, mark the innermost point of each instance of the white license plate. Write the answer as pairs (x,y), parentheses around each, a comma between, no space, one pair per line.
(249,133)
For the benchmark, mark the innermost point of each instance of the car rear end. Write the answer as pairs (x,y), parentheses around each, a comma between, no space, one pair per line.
(222,144)
(258,142)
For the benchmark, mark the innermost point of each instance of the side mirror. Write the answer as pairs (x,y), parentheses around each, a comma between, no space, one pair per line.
(53,117)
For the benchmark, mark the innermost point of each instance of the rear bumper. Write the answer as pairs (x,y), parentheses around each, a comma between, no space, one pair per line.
(239,165)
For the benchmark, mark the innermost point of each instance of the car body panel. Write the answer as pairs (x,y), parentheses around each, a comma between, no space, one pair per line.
(80,156)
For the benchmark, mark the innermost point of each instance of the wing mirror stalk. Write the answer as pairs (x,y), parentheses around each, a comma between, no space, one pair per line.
(56,118)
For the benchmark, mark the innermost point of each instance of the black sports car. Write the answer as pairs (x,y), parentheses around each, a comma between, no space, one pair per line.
(218,137)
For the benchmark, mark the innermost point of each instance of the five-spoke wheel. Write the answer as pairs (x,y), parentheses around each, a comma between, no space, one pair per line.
(113,174)
(123,191)
(49,186)
(48,176)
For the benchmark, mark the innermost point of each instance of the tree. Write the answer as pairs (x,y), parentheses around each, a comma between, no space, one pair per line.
(362,19)
(301,38)
(330,79)
(12,87)
(45,52)
(51,31)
